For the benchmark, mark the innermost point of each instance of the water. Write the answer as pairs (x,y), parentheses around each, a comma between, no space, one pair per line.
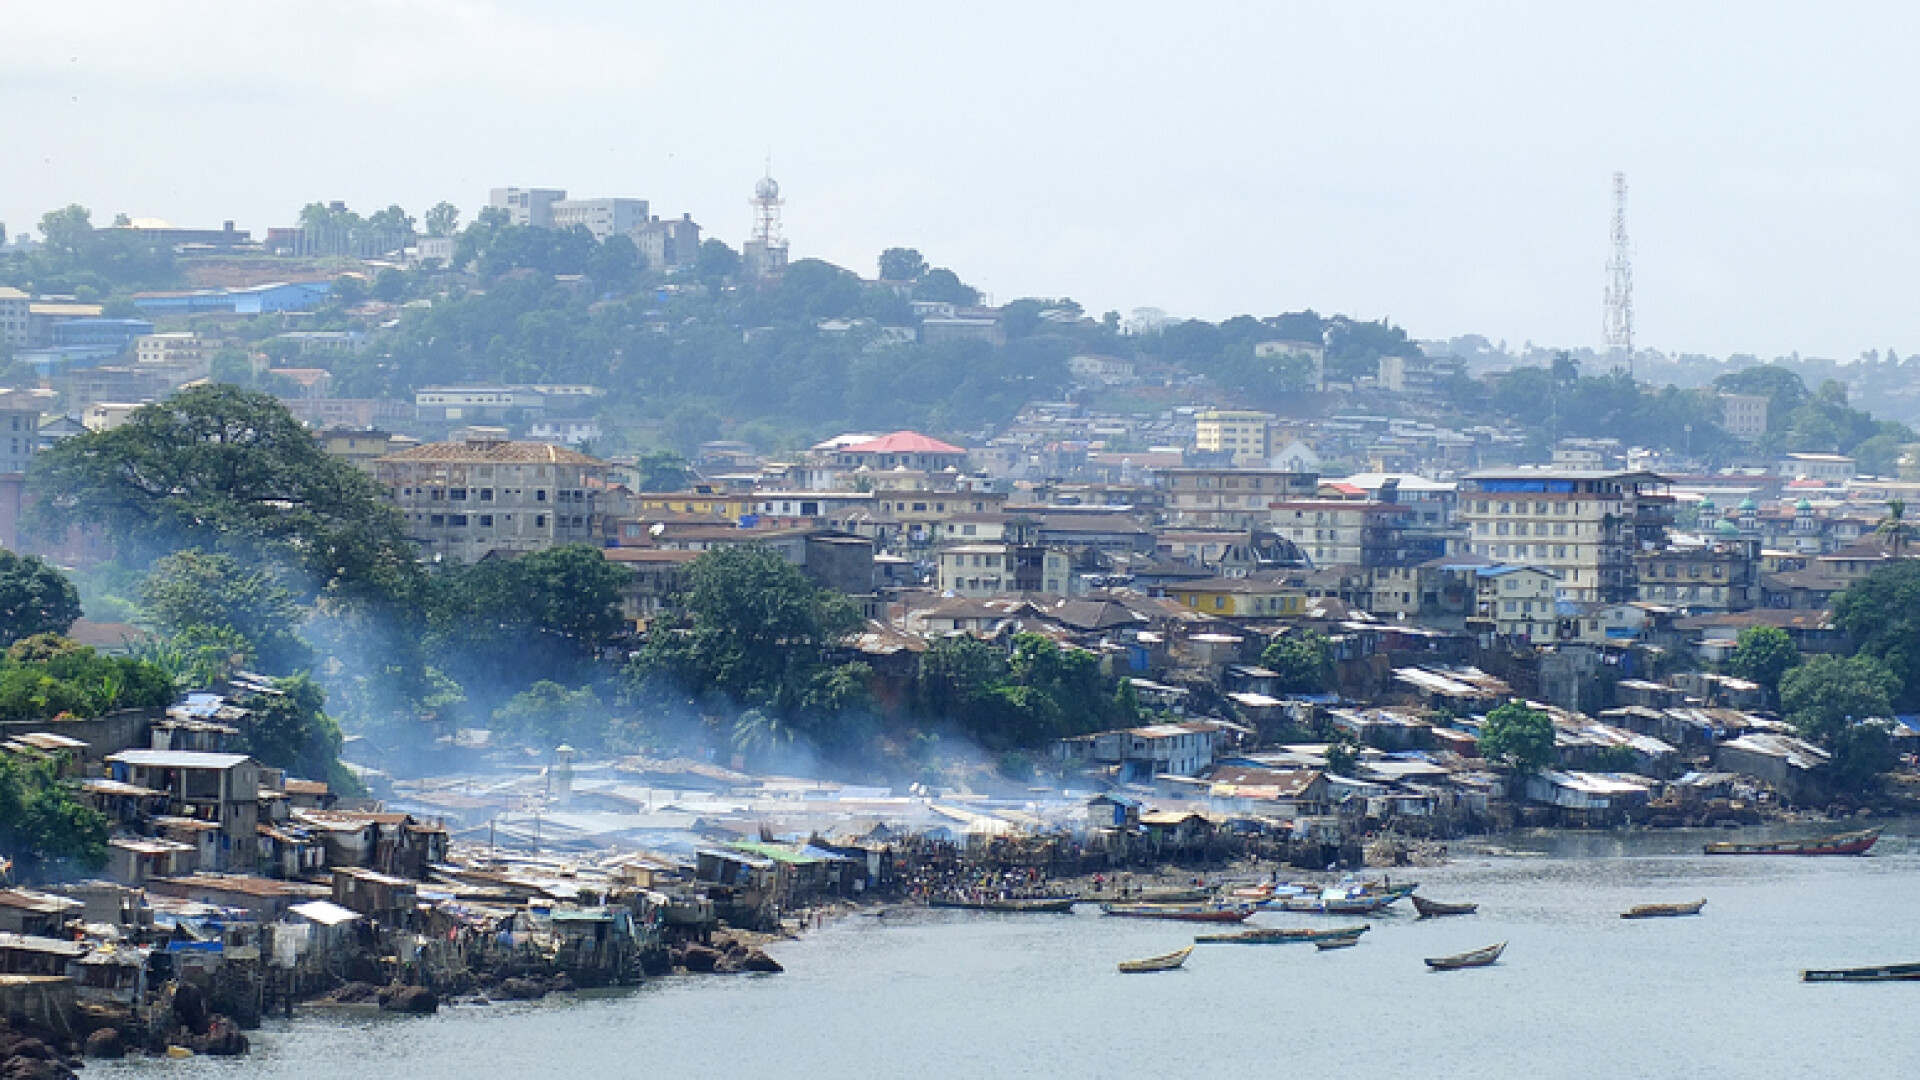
(1580,992)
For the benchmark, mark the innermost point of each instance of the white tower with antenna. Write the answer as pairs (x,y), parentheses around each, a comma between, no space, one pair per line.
(1618,317)
(764,256)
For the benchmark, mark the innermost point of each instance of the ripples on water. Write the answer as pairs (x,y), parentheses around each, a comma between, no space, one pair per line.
(1580,992)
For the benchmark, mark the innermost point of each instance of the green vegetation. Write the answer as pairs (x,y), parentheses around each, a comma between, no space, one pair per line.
(43,824)
(90,264)
(45,676)
(1881,614)
(1518,737)
(1843,704)
(1037,693)
(290,730)
(1763,654)
(1304,662)
(196,598)
(34,598)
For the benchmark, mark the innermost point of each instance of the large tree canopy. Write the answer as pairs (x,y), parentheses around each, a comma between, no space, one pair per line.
(192,590)
(228,470)
(1518,737)
(34,598)
(1881,613)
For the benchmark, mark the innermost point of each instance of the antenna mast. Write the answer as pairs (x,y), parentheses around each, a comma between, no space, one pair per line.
(1618,317)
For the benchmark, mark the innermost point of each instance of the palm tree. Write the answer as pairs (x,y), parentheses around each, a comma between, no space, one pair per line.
(1893,529)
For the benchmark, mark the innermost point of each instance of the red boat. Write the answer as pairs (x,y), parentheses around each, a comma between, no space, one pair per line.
(1853,843)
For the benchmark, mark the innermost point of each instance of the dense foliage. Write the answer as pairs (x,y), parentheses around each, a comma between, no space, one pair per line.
(1763,654)
(43,823)
(46,676)
(1023,699)
(35,598)
(199,597)
(1843,704)
(1303,661)
(1518,737)
(1881,615)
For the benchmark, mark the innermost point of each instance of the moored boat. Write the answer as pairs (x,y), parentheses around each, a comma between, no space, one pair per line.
(1287,936)
(1661,911)
(1157,963)
(1431,909)
(1319,905)
(1187,912)
(1852,843)
(1476,958)
(1026,905)
(1888,973)
(1344,942)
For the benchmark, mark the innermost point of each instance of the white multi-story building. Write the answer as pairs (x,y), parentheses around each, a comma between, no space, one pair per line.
(1744,416)
(1583,525)
(182,347)
(20,427)
(526,206)
(601,217)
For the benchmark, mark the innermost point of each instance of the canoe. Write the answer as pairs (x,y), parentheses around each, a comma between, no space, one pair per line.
(1889,973)
(1853,843)
(1187,912)
(1432,909)
(1476,958)
(1028,905)
(1157,963)
(1346,942)
(1280,936)
(1173,895)
(1660,911)
(1314,905)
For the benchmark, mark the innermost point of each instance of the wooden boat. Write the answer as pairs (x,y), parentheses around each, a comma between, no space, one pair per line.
(1661,911)
(1346,942)
(1187,912)
(1157,963)
(1476,958)
(1287,936)
(1889,973)
(1315,905)
(1173,895)
(1853,843)
(1026,905)
(1433,909)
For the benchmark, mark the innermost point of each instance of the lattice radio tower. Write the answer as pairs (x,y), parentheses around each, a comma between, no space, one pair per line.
(766,210)
(1618,317)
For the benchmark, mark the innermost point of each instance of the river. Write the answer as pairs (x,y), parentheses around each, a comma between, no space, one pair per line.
(1580,992)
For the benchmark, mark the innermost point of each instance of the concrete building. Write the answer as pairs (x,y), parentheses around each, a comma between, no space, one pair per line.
(1723,576)
(218,789)
(15,308)
(526,206)
(484,494)
(601,217)
(667,244)
(1744,416)
(182,348)
(1826,468)
(1336,532)
(1583,525)
(1244,436)
(1518,602)
(1233,498)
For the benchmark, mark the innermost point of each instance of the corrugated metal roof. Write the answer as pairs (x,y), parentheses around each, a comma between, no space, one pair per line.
(177,759)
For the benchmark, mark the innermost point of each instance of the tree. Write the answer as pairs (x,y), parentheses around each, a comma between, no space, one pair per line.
(543,615)
(901,264)
(752,628)
(1843,704)
(1303,660)
(227,470)
(191,590)
(290,730)
(1893,530)
(1763,654)
(46,675)
(35,598)
(1881,616)
(443,219)
(716,262)
(547,715)
(42,822)
(1518,737)
(664,470)
(1828,694)
(942,284)
(68,233)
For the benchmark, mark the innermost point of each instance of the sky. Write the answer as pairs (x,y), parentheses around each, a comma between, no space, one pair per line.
(1447,166)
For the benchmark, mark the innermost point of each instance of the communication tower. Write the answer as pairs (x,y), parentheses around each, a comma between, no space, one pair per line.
(1618,317)
(765,255)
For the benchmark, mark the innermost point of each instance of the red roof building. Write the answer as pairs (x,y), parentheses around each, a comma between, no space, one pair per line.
(903,449)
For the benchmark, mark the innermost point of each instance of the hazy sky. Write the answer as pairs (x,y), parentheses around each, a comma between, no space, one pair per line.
(1445,164)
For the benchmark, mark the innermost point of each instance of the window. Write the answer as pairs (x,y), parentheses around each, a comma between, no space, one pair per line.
(539,521)
(486,494)
(437,520)
(486,522)
(457,494)
(458,521)
(540,495)
(1513,606)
